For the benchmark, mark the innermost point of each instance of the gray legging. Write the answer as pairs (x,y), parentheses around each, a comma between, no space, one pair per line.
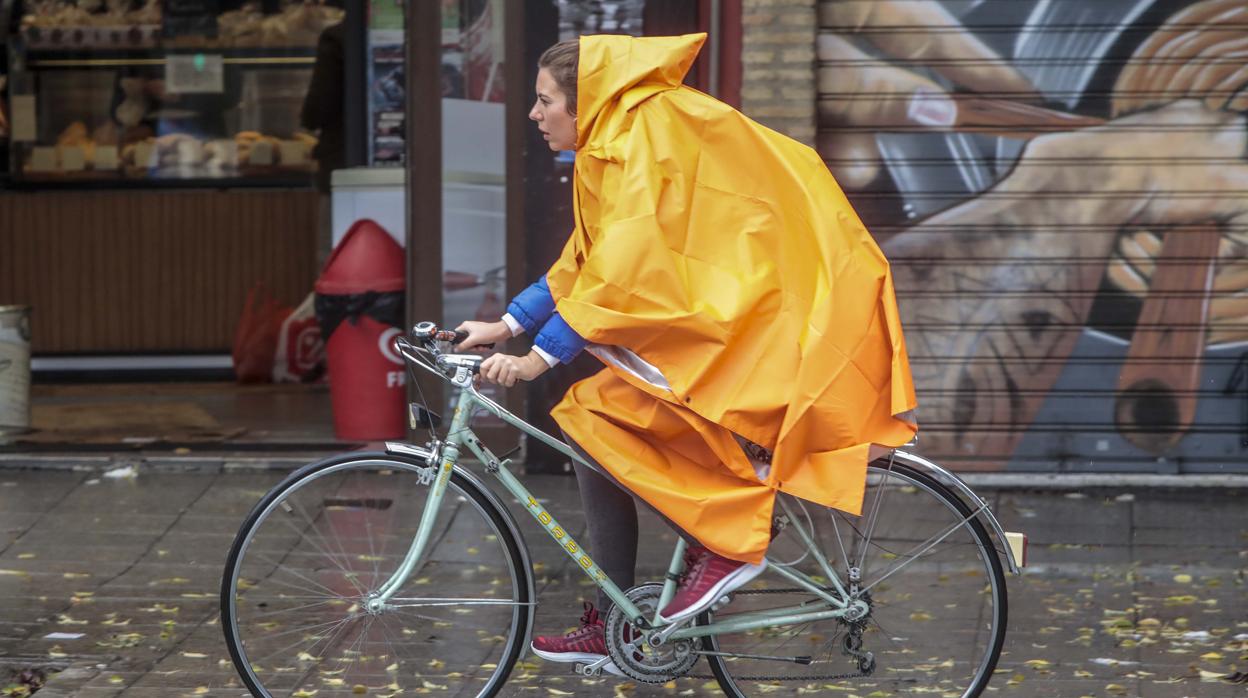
(613,525)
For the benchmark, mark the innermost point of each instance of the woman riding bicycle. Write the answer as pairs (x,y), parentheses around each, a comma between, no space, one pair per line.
(745,316)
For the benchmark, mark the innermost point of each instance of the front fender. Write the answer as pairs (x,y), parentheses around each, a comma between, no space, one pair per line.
(973,500)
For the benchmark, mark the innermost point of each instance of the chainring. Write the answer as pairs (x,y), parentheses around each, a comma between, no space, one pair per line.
(633,656)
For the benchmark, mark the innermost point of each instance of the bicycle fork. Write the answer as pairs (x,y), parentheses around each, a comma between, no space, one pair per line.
(447,456)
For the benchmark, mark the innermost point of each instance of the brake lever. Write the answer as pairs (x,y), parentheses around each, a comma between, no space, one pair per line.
(459,336)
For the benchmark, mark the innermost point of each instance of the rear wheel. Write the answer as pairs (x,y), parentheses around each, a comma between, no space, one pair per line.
(303,568)
(929,574)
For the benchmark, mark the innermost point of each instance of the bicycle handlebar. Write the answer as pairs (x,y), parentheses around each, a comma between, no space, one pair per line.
(422,347)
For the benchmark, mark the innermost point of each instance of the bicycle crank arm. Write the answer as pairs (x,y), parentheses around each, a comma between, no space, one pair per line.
(795,660)
(592,670)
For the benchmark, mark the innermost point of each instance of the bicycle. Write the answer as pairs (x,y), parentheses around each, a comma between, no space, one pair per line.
(400,572)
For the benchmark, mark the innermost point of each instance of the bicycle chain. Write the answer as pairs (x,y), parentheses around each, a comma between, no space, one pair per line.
(823,677)
(779,677)
(777,591)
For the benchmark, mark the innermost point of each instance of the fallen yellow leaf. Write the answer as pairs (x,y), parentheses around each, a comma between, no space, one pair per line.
(1038,663)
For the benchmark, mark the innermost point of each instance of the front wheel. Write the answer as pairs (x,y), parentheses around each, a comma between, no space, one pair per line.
(317,548)
(931,579)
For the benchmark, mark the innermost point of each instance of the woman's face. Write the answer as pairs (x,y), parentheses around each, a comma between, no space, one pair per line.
(550,111)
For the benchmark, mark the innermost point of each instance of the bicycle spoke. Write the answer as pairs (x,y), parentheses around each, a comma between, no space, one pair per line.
(414,602)
(436,619)
(347,574)
(290,610)
(327,514)
(350,652)
(322,546)
(330,626)
(925,546)
(396,640)
(839,542)
(875,513)
(373,557)
(942,622)
(277,567)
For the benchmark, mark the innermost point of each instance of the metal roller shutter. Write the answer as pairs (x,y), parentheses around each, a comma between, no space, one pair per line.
(1062,187)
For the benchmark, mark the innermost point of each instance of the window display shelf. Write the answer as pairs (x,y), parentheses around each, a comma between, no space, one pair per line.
(116,57)
(177,116)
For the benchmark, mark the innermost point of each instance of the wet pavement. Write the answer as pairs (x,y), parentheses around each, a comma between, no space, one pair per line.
(110,585)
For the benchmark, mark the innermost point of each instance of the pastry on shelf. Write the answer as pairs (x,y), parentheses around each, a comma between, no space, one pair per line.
(305,21)
(256,149)
(139,156)
(241,27)
(220,156)
(298,24)
(74,147)
(149,13)
(55,13)
(179,149)
(70,24)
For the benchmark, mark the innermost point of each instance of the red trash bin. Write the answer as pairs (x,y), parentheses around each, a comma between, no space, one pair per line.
(360,305)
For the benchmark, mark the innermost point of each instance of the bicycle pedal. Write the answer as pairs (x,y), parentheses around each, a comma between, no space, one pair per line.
(592,669)
(587,670)
(723,601)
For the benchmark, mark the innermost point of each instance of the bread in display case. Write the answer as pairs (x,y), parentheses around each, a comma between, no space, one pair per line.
(68,24)
(215,98)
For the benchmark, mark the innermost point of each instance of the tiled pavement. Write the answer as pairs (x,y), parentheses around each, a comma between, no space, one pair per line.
(1129,593)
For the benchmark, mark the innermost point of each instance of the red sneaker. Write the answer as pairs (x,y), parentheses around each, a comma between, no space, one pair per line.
(706,579)
(586,644)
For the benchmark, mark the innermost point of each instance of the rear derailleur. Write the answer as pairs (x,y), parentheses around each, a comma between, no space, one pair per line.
(852,647)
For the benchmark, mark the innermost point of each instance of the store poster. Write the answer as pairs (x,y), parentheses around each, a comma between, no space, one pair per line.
(386,96)
(386,81)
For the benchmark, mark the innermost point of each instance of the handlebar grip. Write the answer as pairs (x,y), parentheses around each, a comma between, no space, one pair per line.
(461,335)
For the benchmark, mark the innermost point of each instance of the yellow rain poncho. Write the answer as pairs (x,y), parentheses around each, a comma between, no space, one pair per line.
(722,275)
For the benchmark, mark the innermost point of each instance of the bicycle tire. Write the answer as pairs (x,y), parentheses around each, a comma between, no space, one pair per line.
(723,670)
(366,496)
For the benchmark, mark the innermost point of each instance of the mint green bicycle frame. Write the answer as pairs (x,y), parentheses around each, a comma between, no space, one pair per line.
(829,605)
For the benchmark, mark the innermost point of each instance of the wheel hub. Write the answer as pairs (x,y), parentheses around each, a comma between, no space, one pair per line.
(857,611)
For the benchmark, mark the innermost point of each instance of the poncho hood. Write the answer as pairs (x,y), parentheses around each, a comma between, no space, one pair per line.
(611,66)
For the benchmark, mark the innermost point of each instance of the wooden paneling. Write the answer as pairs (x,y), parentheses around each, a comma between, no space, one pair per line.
(151,271)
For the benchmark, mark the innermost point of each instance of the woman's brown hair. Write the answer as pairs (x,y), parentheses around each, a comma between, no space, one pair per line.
(562,60)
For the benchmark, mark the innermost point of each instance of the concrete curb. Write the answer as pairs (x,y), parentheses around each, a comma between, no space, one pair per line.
(1081,481)
(155,462)
(290,461)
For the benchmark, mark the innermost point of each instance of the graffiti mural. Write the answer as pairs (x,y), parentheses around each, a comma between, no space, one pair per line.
(1062,186)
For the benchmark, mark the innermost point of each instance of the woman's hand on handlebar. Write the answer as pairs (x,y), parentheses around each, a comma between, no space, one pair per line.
(505,370)
(482,333)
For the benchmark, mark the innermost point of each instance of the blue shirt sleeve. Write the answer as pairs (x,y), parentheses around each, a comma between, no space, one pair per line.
(533,307)
(558,339)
